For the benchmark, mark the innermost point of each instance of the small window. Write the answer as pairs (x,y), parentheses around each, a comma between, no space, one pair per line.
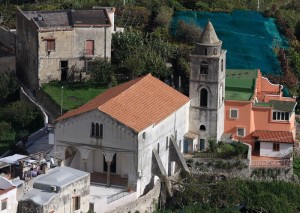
(3,204)
(93,129)
(144,135)
(241,132)
(50,45)
(97,129)
(215,51)
(202,128)
(234,113)
(158,148)
(205,51)
(276,147)
(89,47)
(101,131)
(204,68)
(281,116)
(76,203)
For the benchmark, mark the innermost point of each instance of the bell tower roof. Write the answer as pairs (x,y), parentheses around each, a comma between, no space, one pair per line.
(209,35)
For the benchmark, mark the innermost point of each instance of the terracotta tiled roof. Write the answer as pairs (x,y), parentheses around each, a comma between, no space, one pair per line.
(137,103)
(274,136)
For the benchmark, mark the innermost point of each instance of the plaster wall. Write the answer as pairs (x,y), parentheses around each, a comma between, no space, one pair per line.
(266,149)
(157,137)
(117,138)
(12,202)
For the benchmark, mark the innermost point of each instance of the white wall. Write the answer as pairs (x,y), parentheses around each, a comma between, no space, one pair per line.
(266,149)
(156,134)
(116,137)
(12,202)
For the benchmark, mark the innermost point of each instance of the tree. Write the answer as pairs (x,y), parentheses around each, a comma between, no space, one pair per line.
(187,32)
(103,72)
(164,17)
(8,84)
(20,113)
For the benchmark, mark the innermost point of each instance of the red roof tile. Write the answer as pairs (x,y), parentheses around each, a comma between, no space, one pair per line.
(274,136)
(137,103)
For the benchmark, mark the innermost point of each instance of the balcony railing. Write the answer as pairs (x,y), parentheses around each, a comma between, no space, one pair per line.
(116,197)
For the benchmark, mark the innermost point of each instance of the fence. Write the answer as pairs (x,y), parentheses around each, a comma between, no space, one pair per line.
(217,155)
(271,163)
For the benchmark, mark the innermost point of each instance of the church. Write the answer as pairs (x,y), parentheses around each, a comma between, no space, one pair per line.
(137,131)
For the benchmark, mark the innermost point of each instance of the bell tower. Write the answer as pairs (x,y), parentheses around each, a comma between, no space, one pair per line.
(207,87)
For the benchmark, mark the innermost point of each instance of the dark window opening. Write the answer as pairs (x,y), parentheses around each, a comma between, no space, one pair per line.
(93,130)
(204,68)
(64,70)
(276,147)
(76,203)
(202,128)
(203,98)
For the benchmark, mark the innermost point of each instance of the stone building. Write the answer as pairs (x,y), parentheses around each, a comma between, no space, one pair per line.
(57,45)
(133,131)
(207,88)
(62,189)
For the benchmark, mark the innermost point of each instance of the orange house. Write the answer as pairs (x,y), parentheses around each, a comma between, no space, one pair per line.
(256,113)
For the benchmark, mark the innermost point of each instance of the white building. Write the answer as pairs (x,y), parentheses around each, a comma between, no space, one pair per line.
(134,131)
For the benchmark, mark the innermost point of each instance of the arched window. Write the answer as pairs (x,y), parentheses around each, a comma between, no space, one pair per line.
(101,131)
(204,68)
(97,130)
(203,97)
(93,129)
(215,51)
(202,128)
(205,51)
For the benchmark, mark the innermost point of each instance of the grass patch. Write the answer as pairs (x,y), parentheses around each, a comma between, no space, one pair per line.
(74,94)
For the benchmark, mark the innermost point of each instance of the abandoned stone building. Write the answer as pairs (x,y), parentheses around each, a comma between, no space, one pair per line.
(57,45)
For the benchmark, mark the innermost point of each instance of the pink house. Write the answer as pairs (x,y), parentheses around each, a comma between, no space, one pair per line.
(256,113)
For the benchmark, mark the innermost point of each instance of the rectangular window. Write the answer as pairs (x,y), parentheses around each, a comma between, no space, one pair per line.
(276,147)
(76,203)
(167,142)
(3,204)
(241,132)
(281,116)
(234,113)
(89,47)
(50,45)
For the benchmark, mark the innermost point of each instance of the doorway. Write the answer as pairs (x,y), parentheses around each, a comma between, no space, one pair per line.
(64,70)
(113,165)
(256,150)
(202,144)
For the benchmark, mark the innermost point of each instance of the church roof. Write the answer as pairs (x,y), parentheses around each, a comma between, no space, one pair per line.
(137,104)
(209,35)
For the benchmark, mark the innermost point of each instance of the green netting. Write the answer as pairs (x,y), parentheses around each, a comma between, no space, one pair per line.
(249,37)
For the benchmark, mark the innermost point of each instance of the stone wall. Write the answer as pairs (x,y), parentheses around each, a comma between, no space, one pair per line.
(146,203)
(228,168)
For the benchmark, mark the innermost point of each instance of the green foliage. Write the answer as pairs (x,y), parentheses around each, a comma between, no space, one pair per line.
(141,54)
(187,32)
(8,84)
(212,145)
(102,73)
(164,17)
(195,195)
(7,133)
(20,113)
